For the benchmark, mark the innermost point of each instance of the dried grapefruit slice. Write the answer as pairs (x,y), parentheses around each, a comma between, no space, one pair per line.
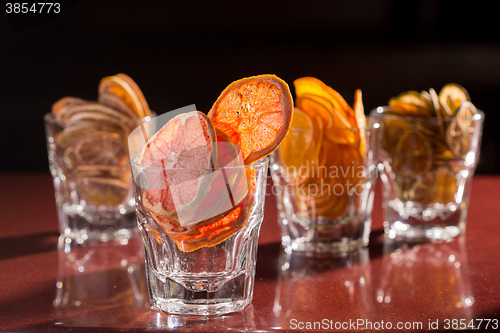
(179,150)
(255,113)
(122,86)
(209,233)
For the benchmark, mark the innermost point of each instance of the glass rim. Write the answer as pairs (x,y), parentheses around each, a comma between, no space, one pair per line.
(259,163)
(372,122)
(379,113)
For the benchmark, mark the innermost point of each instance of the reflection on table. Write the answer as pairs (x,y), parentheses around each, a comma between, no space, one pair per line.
(428,280)
(337,287)
(96,280)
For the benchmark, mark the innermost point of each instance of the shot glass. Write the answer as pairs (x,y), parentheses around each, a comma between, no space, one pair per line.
(89,163)
(325,188)
(200,259)
(426,166)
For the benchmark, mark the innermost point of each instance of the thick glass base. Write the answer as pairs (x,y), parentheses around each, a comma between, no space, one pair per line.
(231,296)
(83,227)
(330,238)
(418,233)
(414,223)
(92,236)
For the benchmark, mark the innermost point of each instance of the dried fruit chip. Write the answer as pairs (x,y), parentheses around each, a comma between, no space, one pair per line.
(411,103)
(461,130)
(413,154)
(435,186)
(255,113)
(181,147)
(123,87)
(297,149)
(94,140)
(453,95)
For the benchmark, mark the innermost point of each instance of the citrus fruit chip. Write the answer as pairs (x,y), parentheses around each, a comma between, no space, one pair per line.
(115,102)
(336,150)
(255,113)
(464,115)
(359,113)
(337,208)
(100,148)
(453,95)
(439,111)
(102,191)
(313,86)
(413,154)
(63,104)
(95,114)
(460,132)
(333,124)
(209,233)
(178,150)
(435,186)
(213,233)
(228,153)
(92,139)
(122,86)
(229,182)
(316,107)
(296,146)
(411,103)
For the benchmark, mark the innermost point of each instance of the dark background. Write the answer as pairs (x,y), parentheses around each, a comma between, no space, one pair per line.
(185,52)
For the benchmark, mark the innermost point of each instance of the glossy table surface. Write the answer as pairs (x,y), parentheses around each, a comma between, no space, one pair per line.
(103,288)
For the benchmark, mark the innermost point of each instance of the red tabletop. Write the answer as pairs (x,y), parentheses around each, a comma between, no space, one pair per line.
(387,286)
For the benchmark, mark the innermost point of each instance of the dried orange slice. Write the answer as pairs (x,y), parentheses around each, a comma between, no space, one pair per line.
(123,87)
(179,150)
(255,113)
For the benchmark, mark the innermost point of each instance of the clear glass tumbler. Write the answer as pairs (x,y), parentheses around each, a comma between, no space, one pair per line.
(89,163)
(325,187)
(426,166)
(201,260)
